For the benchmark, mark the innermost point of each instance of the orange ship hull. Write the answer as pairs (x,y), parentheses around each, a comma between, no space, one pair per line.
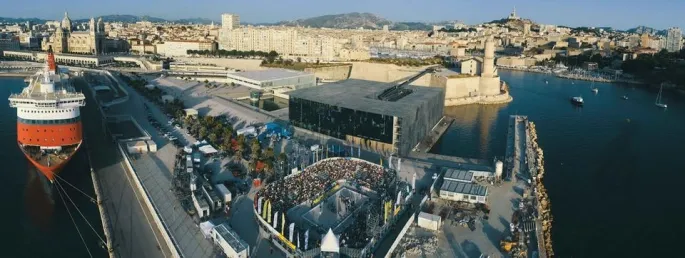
(68,136)
(51,171)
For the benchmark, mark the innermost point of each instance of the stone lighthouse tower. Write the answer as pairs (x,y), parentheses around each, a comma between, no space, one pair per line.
(489,81)
(488,69)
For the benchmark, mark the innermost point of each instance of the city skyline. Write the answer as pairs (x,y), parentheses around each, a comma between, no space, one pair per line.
(603,14)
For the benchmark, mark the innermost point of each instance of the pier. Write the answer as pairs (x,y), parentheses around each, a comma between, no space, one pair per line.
(434,135)
(524,161)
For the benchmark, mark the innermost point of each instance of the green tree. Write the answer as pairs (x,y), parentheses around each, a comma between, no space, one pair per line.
(269,154)
(202,133)
(256,148)
(212,138)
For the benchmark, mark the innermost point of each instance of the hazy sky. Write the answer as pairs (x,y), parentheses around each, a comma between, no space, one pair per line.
(620,14)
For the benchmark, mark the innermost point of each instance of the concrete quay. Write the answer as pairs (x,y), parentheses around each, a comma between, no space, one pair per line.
(434,135)
(154,172)
(127,224)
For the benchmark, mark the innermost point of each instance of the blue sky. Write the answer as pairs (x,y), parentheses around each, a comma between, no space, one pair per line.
(620,14)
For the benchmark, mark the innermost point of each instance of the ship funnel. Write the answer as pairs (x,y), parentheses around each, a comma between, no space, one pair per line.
(50,61)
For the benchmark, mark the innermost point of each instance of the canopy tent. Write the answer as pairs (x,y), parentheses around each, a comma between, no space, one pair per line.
(206,228)
(330,243)
(207,149)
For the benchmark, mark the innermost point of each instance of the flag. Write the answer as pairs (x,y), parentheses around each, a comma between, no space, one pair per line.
(266,204)
(268,211)
(291,232)
(298,240)
(306,239)
(259,205)
(282,223)
(275,220)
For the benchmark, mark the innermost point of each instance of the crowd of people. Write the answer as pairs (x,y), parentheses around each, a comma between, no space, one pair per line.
(316,179)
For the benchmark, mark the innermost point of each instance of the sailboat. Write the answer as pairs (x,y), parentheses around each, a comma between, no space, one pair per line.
(657,102)
(593,88)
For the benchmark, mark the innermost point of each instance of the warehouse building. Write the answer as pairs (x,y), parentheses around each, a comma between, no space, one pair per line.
(461,191)
(377,116)
(273,79)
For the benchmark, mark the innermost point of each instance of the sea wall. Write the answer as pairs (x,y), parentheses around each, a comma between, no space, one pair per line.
(331,73)
(544,205)
(482,100)
(388,73)
(234,63)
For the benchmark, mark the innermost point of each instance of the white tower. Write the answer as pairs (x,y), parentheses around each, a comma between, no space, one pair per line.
(489,59)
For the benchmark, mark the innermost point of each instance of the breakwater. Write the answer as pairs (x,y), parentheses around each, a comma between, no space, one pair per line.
(544,206)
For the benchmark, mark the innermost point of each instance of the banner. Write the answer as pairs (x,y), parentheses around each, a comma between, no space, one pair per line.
(282,223)
(268,211)
(399,198)
(276,221)
(306,239)
(298,240)
(259,205)
(266,204)
(387,211)
(397,209)
(291,231)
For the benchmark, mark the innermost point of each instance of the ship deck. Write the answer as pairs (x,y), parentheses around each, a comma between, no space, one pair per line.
(33,90)
(50,159)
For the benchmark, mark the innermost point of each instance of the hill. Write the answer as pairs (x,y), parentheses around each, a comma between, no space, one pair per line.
(644,29)
(341,21)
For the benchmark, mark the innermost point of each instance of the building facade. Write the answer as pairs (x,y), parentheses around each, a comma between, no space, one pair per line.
(230,21)
(353,111)
(674,40)
(66,40)
(180,47)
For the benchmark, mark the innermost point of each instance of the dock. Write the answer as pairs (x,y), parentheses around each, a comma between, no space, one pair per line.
(524,161)
(434,135)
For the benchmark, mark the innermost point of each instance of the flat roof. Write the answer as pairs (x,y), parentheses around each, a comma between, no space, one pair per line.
(269,74)
(464,188)
(459,175)
(231,237)
(361,95)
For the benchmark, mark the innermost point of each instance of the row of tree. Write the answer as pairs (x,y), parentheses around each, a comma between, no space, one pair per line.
(232,53)
(660,67)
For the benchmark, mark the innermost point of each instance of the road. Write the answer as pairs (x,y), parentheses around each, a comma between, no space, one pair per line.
(134,234)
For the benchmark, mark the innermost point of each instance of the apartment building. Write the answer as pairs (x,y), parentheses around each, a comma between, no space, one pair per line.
(180,47)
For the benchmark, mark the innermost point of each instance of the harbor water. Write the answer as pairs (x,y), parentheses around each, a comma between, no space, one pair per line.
(613,167)
(34,219)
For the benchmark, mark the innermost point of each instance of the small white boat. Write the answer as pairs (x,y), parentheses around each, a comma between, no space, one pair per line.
(595,90)
(657,102)
(625,97)
(577,100)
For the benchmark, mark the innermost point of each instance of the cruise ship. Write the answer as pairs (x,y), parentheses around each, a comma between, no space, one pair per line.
(49,130)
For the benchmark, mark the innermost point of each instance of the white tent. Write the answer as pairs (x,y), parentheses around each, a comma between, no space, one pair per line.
(208,149)
(206,228)
(330,243)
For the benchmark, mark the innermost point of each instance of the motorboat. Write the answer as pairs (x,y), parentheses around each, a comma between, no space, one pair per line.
(625,97)
(577,100)
(595,90)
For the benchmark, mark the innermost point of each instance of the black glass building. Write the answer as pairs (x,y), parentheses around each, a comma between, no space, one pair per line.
(352,110)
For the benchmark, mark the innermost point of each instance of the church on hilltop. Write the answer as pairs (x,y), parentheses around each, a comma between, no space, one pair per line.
(66,40)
